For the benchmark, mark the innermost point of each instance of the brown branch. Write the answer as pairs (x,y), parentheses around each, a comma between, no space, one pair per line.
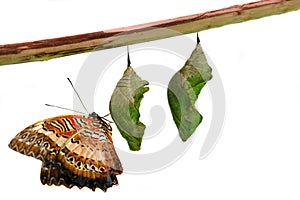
(58,47)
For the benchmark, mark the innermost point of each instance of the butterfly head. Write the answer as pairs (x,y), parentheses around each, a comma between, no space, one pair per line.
(103,121)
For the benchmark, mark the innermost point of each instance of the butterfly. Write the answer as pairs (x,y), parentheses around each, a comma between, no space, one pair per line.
(74,150)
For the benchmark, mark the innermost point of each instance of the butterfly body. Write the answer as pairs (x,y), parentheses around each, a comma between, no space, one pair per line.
(74,150)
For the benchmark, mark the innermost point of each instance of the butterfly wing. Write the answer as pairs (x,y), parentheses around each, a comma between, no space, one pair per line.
(42,140)
(75,150)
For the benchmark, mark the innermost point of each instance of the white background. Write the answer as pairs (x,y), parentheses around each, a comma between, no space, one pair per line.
(257,156)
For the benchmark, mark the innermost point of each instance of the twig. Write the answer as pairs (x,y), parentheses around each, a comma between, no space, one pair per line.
(58,47)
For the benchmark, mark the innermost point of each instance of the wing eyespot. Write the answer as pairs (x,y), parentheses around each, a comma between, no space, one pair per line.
(71,159)
(102,169)
(79,164)
(85,167)
(46,144)
(31,139)
(94,168)
(24,135)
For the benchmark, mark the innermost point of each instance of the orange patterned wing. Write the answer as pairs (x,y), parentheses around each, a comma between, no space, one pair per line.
(74,150)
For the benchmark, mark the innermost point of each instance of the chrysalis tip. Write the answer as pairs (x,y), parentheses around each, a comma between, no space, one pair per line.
(198,40)
(128,57)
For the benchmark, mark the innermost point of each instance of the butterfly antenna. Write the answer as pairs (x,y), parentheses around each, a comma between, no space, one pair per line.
(128,57)
(78,95)
(103,117)
(106,115)
(64,108)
